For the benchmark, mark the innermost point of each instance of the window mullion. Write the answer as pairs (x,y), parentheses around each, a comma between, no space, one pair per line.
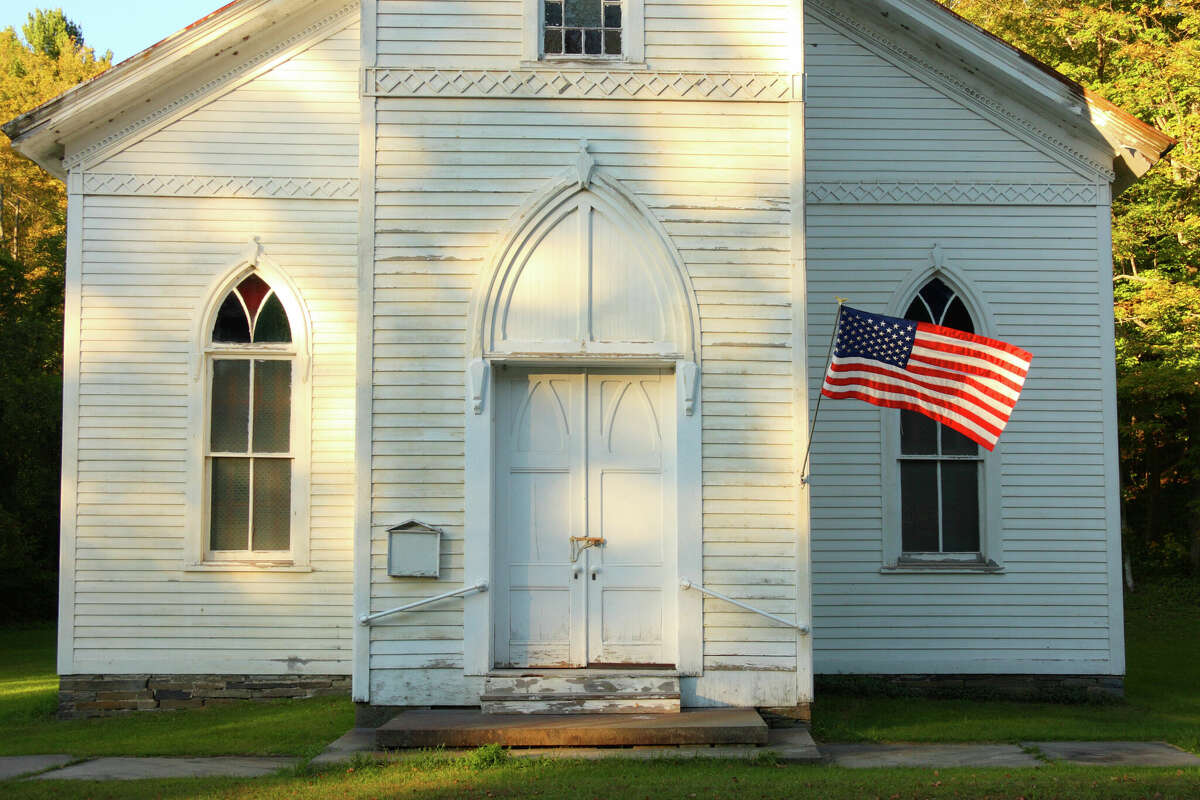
(250,454)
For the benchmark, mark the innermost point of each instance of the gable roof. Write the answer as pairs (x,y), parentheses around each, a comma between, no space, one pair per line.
(216,42)
(125,91)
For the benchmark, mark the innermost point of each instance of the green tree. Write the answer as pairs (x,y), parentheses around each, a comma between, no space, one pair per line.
(1143,55)
(50,32)
(32,249)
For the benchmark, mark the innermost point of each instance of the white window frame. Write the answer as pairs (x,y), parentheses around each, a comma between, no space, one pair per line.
(989,559)
(633,44)
(197,554)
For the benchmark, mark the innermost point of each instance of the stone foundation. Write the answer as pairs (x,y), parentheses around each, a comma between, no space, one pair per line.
(1043,688)
(106,695)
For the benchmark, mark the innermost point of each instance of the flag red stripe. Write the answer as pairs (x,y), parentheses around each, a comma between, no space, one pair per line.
(993,426)
(966,369)
(1005,402)
(920,409)
(952,333)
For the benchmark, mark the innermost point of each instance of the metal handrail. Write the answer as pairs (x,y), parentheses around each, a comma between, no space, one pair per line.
(800,627)
(367,619)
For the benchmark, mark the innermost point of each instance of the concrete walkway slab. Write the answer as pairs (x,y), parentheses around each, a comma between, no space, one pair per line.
(788,745)
(928,755)
(122,769)
(14,766)
(1131,754)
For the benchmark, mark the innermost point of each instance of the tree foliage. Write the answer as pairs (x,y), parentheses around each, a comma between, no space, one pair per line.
(32,250)
(1143,55)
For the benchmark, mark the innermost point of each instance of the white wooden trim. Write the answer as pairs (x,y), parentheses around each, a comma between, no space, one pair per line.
(958,194)
(195,551)
(364,368)
(1112,454)
(161,185)
(689,520)
(72,314)
(180,106)
(800,421)
(991,534)
(479,486)
(531,30)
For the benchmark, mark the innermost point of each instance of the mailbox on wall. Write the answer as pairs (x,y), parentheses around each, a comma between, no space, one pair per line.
(413,550)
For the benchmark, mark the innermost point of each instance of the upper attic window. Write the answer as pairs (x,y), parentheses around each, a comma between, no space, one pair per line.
(581,27)
(610,31)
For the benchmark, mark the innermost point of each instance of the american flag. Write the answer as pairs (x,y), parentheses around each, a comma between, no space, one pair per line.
(968,382)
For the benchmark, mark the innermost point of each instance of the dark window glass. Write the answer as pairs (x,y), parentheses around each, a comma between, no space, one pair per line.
(573,42)
(230,503)
(272,503)
(960,506)
(272,406)
(553,42)
(612,43)
(957,317)
(955,444)
(917,312)
(612,15)
(937,296)
(232,325)
(554,15)
(919,506)
(272,324)
(591,43)
(918,434)
(583,13)
(230,413)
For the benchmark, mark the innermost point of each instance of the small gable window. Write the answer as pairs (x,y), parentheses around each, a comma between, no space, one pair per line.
(581,27)
(940,469)
(249,452)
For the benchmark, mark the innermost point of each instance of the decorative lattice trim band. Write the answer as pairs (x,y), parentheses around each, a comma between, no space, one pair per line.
(770,87)
(982,194)
(204,186)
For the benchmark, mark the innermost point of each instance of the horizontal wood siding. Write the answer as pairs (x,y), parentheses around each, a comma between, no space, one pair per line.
(690,35)
(1039,272)
(450,175)
(147,263)
(868,120)
(299,120)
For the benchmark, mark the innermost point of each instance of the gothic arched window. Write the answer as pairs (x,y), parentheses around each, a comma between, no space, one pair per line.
(940,469)
(248,440)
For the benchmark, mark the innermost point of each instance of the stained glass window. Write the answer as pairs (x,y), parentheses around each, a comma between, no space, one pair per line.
(251,314)
(581,28)
(249,439)
(940,469)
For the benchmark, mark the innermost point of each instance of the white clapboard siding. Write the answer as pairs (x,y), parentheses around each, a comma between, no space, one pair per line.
(1049,612)
(299,120)
(451,173)
(867,120)
(147,262)
(680,35)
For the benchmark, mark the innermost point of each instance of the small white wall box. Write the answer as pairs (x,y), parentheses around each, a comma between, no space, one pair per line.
(413,550)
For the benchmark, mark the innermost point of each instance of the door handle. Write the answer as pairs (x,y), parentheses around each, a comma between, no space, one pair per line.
(576,571)
(594,571)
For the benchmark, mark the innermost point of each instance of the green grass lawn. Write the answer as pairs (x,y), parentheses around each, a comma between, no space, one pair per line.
(1162,645)
(625,780)
(29,696)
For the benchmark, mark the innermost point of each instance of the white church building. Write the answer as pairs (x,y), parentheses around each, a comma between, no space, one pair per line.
(511,314)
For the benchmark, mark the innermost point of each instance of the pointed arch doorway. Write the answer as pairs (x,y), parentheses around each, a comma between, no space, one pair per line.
(583,441)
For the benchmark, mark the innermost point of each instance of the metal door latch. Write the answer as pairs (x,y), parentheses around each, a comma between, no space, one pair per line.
(581,543)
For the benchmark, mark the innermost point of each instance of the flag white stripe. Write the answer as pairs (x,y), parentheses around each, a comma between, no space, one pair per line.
(995,369)
(981,404)
(991,383)
(949,413)
(1017,361)
(990,414)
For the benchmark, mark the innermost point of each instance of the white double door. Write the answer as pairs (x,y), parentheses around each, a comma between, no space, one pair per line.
(585,456)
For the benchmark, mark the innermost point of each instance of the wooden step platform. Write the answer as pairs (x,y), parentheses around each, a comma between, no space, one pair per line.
(472,728)
(581,693)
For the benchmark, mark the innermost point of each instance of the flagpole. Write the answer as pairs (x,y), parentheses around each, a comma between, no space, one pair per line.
(817,408)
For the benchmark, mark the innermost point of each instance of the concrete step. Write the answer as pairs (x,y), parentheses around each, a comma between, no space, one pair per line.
(459,728)
(581,693)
